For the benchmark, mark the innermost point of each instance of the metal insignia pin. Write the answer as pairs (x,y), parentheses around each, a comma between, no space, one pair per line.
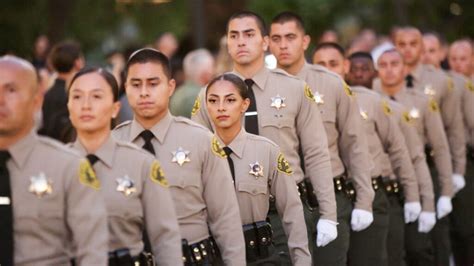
(40,185)
(319,98)
(256,169)
(126,185)
(414,113)
(364,114)
(278,102)
(429,90)
(180,156)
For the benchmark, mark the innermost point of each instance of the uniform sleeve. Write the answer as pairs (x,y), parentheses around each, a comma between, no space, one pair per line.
(453,124)
(290,209)
(438,141)
(313,141)
(160,218)
(417,154)
(86,215)
(199,112)
(222,206)
(394,145)
(353,144)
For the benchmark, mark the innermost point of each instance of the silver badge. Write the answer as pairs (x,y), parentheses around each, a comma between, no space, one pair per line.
(319,98)
(429,90)
(180,156)
(40,185)
(278,102)
(126,185)
(364,114)
(256,169)
(414,113)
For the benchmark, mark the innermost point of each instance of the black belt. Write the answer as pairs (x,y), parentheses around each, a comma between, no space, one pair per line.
(307,195)
(377,183)
(393,188)
(429,153)
(344,185)
(470,152)
(258,239)
(122,257)
(204,252)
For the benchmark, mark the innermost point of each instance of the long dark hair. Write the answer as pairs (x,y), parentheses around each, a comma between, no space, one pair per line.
(235,80)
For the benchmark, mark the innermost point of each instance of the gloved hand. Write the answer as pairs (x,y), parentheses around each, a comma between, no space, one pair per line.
(426,222)
(444,206)
(327,232)
(361,219)
(458,182)
(412,211)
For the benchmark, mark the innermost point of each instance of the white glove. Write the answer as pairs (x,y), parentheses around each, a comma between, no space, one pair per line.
(459,182)
(361,219)
(426,222)
(327,232)
(412,211)
(444,206)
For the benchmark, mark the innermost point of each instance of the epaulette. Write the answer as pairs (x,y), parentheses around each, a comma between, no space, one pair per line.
(128,122)
(262,139)
(189,122)
(283,73)
(322,69)
(57,145)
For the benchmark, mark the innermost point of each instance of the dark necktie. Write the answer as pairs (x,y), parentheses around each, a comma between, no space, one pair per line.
(251,118)
(228,151)
(147,136)
(92,158)
(6,212)
(409,81)
(392,98)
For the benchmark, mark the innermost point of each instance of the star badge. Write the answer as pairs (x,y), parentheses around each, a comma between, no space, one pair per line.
(126,185)
(318,98)
(429,90)
(364,114)
(180,156)
(256,169)
(278,102)
(40,185)
(414,113)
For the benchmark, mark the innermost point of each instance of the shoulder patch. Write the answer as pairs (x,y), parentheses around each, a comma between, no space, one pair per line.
(87,175)
(406,117)
(196,106)
(450,84)
(217,149)
(433,105)
(348,90)
(283,165)
(157,175)
(470,86)
(386,108)
(308,92)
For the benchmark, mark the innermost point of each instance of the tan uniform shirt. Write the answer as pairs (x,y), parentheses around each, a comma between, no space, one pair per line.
(435,83)
(416,149)
(385,137)
(253,190)
(340,114)
(57,205)
(465,88)
(295,122)
(200,182)
(136,194)
(426,117)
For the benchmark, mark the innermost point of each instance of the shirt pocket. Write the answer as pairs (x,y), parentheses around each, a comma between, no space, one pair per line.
(277,122)
(252,189)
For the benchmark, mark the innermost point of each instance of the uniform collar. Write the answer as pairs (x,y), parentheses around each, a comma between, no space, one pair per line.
(105,153)
(398,96)
(417,72)
(260,78)
(159,130)
(22,149)
(238,143)
(304,71)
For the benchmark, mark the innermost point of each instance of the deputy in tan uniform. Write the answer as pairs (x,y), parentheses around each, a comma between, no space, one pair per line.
(435,84)
(343,126)
(132,180)
(426,117)
(195,164)
(48,201)
(462,221)
(259,170)
(284,112)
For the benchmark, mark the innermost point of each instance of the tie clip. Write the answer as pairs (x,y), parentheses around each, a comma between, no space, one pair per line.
(251,113)
(4,201)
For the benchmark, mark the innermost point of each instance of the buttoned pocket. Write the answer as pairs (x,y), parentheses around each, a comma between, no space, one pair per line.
(328,115)
(278,122)
(252,188)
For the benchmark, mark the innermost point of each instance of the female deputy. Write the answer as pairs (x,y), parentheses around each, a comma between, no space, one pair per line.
(259,170)
(133,183)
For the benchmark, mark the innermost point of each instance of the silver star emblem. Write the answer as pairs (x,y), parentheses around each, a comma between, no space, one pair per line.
(278,102)
(364,114)
(126,185)
(256,169)
(318,98)
(180,156)
(414,113)
(40,185)
(429,90)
